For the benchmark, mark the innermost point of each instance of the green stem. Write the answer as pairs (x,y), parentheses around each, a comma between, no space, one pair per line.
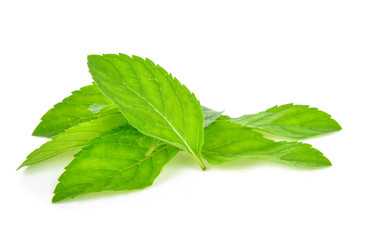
(200,162)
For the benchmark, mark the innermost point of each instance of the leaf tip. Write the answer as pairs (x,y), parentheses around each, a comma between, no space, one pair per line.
(338,126)
(56,198)
(35,133)
(20,166)
(59,196)
(326,162)
(24,164)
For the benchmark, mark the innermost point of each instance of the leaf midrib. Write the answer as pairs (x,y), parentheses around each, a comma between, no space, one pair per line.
(133,165)
(156,110)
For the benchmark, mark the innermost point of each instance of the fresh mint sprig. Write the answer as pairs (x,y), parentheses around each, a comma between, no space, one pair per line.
(136,117)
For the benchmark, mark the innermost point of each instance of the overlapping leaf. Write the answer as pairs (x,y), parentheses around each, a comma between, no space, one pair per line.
(76,106)
(164,118)
(83,105)
(210,116)
(226,141)
(291,121)
(75,137)
(154,102)
(123,159)
(80,135)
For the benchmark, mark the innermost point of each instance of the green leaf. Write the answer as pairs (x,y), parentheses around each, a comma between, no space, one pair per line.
(75,138)
(81,138)
(125,159)
(154,102)
(210,116)
(117,160)
(83,105)
(226,141)
(75,109)
(291,121)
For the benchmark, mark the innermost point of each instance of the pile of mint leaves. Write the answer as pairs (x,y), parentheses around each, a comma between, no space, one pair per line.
(136,117)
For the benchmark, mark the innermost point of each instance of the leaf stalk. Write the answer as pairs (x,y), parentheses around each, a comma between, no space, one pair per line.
(200,162)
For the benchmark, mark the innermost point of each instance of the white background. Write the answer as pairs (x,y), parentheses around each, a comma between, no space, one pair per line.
(238,56)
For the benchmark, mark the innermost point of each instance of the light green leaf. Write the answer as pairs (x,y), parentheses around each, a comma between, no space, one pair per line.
(76,109)
(78,136)
(154,102)
(75,137)
(210,116)
(118,160)
(125,159)
(226,141)
(83,105)
(291,121)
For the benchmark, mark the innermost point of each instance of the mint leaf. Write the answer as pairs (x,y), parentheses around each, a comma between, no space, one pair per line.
(291,121)
(83,105)
(125,159)
(117,160)
(75,106)
(210,116)
(78,136)
(226,141)
(136,117)
(154,102)
(75,138)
